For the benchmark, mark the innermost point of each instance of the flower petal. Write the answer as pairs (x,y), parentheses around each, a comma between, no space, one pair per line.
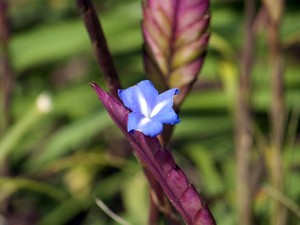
(164,102)
(168,117)
(133,121)
(147,126)
(140,97)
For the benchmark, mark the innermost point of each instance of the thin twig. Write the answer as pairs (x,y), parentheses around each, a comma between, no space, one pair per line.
(283,199)
(110,213)
(5,71)
(99,45)
(244,123)
(274,11)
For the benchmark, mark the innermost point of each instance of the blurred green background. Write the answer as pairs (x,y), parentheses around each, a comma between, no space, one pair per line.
(60,149)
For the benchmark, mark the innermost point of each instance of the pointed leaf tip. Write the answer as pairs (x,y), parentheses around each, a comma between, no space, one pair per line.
(92,84)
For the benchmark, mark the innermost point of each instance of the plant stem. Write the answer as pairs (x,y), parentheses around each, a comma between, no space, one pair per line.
(243,122)
(6,71)
(159,203)
(6,77)
(99,45)
(105,62)
(278,213)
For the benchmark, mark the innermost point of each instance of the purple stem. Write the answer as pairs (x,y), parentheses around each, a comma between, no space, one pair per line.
(99,44)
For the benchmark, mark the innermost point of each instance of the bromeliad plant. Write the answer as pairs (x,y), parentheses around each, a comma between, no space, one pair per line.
(176,36)
(161,164)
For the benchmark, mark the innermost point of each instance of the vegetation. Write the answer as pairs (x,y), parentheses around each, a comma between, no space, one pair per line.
(60,151)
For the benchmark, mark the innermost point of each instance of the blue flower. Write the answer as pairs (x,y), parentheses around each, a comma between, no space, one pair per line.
(149,110)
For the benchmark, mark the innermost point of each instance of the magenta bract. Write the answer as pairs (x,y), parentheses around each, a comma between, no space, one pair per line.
(161,164)
(176,37)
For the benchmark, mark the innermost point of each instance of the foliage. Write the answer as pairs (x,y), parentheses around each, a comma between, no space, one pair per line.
(54,163)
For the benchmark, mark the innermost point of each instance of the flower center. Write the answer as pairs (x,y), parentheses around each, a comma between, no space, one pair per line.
(158,108)
(144,109)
